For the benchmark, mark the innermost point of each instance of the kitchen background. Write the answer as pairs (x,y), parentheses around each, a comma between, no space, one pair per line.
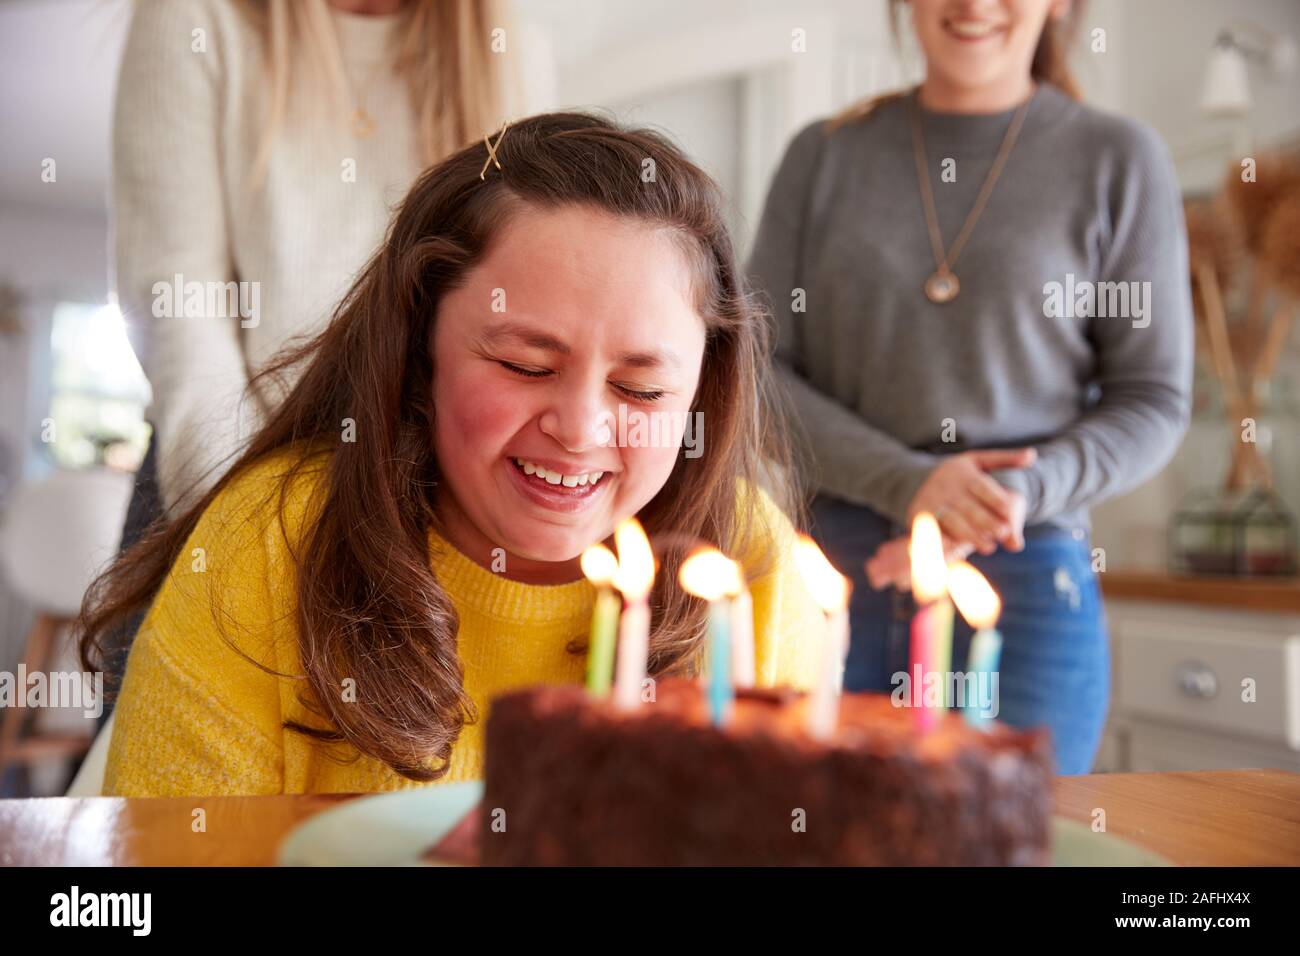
(1218,80)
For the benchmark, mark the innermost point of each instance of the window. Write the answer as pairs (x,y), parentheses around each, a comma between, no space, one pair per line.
(98,390)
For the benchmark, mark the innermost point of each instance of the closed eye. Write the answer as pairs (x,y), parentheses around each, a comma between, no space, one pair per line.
(650,395)
(520,370)
(636,394)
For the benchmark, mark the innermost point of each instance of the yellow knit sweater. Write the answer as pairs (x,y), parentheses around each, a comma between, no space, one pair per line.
(196,718)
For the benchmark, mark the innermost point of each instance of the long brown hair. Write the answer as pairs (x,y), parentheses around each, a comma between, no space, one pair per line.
(1051,62)
(363,574)
(456,84)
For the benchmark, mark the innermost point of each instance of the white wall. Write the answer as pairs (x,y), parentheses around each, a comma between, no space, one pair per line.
(1165,42)
(58,72)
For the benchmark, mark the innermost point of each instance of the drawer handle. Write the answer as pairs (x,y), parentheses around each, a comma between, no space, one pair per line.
(1195,679)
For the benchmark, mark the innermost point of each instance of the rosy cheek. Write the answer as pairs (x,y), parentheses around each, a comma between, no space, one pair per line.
(645,470)
(478,410)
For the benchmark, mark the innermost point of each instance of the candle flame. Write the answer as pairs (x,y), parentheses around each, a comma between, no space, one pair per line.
(974,596)
(929,571)
(829,588)
(599,564)
(636,562)
(710,574)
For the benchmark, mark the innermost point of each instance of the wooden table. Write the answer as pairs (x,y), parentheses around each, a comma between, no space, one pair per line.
(1220,818)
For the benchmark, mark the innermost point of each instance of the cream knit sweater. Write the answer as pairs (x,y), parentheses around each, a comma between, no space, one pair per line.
(188,122)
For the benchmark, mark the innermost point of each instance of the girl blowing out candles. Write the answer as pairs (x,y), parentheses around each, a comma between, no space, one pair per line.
(401,542)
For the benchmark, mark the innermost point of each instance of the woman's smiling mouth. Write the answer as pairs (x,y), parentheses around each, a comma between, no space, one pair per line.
(553,477)
(553,489)
(970,30)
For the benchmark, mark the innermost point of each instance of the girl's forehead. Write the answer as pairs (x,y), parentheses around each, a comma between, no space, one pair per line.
(587,242)
(576,272)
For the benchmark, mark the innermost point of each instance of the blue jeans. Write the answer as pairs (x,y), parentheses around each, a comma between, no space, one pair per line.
(1055,668)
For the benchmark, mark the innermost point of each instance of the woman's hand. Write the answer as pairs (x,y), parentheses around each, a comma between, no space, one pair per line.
(892,564)
(970,506)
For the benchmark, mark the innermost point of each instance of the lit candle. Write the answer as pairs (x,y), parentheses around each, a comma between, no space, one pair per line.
(830,590)
(931,651)
(743,667)
(980,606)
(634,578)
(710,575)
(600,566)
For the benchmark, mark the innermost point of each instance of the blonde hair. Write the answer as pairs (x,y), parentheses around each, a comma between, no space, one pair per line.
(1050,63)
(454,81)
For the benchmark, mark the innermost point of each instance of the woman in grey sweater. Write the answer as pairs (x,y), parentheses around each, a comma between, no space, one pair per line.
(1002,341)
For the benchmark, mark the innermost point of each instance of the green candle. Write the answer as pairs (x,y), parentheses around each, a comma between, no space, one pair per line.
(604,632)
(599,565)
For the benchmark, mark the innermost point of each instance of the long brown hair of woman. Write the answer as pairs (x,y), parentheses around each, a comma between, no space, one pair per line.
(364,587)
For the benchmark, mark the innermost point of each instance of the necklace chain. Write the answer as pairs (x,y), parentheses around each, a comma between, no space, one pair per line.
(362,123)
(942,286)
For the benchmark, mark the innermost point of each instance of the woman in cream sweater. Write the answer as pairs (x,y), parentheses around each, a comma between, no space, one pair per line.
(257,150)
(264,144)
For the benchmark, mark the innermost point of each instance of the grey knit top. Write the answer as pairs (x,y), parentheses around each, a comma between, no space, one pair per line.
(1072,331)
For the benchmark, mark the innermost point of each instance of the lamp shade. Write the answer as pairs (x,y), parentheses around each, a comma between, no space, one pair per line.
(59,532)
(1227,87)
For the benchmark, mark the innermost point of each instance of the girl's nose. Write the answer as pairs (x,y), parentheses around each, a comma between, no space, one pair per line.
(579,419)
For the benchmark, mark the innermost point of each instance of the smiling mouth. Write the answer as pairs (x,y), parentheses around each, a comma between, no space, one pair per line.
(971,30)
(556,491)
(555,478)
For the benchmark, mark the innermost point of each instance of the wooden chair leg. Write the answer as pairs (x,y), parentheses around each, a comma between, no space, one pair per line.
(38,653)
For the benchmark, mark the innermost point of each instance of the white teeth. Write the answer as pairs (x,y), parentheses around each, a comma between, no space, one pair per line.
(555,478)
(968,28)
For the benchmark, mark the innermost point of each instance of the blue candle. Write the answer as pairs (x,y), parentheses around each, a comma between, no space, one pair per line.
(721,691)
(985,653)
(711,575)
(980,606)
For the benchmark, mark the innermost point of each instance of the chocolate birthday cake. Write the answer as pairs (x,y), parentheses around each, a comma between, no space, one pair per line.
(570,780)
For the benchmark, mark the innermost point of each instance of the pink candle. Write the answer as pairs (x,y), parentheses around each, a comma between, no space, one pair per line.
(932,621)
(932,626)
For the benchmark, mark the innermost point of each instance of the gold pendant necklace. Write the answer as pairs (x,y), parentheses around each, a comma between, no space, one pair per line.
(361,122)
(943,286)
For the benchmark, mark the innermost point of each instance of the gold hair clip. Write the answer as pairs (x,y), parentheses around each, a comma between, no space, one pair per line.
(492,150)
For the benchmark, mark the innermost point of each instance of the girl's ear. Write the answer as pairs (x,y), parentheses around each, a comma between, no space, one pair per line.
(1060,9)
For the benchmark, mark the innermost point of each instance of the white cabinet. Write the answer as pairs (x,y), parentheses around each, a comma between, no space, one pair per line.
(1201,688)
